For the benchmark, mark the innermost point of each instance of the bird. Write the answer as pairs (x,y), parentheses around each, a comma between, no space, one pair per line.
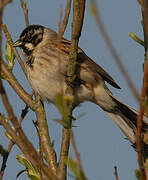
(46,59)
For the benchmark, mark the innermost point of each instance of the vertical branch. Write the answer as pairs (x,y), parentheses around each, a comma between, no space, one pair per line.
(144,9)
(116,173)
(62,27)
(78,15)
(62,168)
(25,10)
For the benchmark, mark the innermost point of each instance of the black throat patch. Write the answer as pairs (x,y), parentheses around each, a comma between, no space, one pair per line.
(26,50)
(30,61)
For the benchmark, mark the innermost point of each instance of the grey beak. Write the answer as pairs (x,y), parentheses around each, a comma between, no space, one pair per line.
(18,43)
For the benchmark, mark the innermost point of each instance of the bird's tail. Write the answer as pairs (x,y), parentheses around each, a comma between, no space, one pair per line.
(125,118)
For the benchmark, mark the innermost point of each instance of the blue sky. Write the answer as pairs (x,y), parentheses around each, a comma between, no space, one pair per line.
(100,142)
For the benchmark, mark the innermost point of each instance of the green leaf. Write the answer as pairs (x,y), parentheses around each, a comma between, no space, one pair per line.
(146,164)
(9,56)
(75,169)
(137,174)
(31,171)
(136,38)
(62,103)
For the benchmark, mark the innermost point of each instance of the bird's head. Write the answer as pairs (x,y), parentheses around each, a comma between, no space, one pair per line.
(30,38)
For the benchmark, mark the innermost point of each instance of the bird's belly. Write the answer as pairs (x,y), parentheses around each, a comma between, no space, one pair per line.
(45,83)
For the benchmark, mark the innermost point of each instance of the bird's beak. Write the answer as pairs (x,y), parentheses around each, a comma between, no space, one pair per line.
(18,43)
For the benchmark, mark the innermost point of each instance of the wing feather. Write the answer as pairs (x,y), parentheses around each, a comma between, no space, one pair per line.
(65,44)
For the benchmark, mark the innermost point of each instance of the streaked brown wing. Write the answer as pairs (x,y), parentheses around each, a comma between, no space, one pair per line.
(64,45)
(96,68)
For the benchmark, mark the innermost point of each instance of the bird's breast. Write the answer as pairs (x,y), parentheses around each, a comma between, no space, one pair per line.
(46,78)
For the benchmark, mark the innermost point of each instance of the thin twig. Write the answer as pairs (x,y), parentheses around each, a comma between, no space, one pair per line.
(40,147)
(5,160)
(4,153)
(61,29)
(23,114)
(144,9)
(76,151)
(116,173)
(25,10)
(77,154)
(112,50)
(59,56)
(63,25)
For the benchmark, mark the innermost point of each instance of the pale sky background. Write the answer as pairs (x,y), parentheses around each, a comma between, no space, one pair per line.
(100,142)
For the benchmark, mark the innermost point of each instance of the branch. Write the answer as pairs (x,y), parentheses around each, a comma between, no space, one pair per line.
(44,136)
(20,91)
(116,173)
(3,94)
(78,15)
(35,123)
(26,147)
(2,90)
(77,155)
(11,143)
(62,168)
(62,27)
(25,10)
(4,153)
(144,9)
(18,135)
